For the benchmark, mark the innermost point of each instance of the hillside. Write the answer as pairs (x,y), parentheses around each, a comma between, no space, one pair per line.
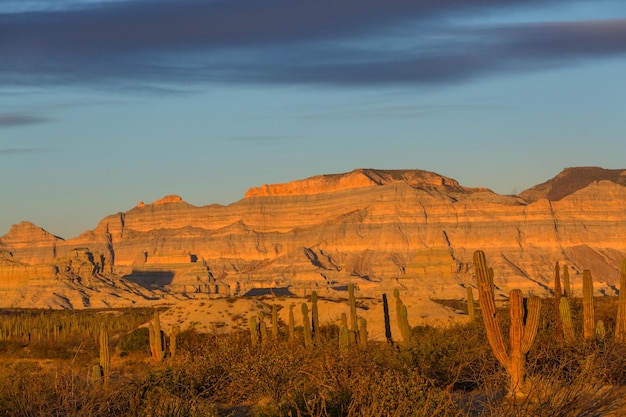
(380,229)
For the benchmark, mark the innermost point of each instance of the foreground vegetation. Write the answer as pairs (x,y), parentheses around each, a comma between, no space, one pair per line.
(440,372)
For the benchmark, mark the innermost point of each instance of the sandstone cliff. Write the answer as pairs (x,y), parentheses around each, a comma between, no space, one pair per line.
(381,229)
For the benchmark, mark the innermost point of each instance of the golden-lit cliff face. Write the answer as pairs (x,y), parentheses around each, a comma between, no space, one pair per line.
(382,229)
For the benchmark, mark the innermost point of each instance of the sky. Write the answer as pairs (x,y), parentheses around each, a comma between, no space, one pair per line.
(107,103)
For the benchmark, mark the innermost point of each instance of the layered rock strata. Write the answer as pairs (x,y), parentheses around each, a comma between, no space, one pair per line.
(380,229)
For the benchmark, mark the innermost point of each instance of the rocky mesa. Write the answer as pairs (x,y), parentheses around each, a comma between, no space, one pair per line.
(379,229)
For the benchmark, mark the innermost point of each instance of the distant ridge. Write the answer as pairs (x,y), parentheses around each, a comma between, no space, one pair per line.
(379,229)
(571,180)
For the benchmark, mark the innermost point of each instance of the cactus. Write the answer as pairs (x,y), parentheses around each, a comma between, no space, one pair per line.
(620,322)
(173,335)
(292,323)
(521,335)
(315,318)
(255,335)
(262,327)
(387,323)
(96,374)
(566,317)
(471,311)
(157,339)
(362,333)
(600,330)
(275,322)
(558,323)
(589,323)
(344,334)
(306,324)
(403,320)
(105,354)
(567,288)
(352,303)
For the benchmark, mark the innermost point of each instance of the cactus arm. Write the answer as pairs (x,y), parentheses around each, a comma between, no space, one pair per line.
(516,331)
(488,307)
(532,323)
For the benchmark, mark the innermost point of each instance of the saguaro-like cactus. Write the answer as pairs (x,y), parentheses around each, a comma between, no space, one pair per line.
(306,324)
(262,327)
(105,354)
(403,318)
(255,335)
(589,321)
(344,334)
(274,322)
(558,323)
(387,323)
(471,310)
(315,317)
(362,333)
(566,317)
(292,323)
(620,322)
(567,287)
(352,302)
(521,335)
(157,339)
(173,343)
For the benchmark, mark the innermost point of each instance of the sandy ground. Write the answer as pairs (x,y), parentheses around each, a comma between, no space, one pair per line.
(223,315)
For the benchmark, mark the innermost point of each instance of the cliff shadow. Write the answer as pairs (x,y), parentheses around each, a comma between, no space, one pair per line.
(150,280)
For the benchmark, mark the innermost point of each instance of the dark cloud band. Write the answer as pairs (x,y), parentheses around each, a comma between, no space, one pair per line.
(346,42)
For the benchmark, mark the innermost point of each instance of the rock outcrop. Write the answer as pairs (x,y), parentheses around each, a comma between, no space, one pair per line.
(380,229)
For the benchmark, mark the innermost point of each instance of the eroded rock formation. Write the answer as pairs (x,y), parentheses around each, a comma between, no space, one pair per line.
(381,229)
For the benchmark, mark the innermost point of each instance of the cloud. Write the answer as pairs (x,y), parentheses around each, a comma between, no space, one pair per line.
(350,42)
(22,151)
(17,119)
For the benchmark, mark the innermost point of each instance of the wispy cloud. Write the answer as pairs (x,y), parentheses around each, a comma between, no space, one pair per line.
(349,42)
(23,151)
(18,119)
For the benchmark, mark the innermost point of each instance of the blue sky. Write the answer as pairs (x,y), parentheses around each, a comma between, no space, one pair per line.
(104,104)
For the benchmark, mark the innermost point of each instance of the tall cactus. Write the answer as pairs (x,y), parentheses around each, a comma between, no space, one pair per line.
(157,339)
(620,322)
(589,322)
(521,335)
(402,318)
(173,342)
(315,318)
(352,302)
(105,354)
(274,322)
(263,327)
(566,317)
(306,324)
(255,335)
(344,334)
(471,310)
(362,333)
(386,318)
(292,323)
(567,287)
(558,323)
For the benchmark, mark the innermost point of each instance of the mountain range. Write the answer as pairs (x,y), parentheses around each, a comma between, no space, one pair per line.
(380,229)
